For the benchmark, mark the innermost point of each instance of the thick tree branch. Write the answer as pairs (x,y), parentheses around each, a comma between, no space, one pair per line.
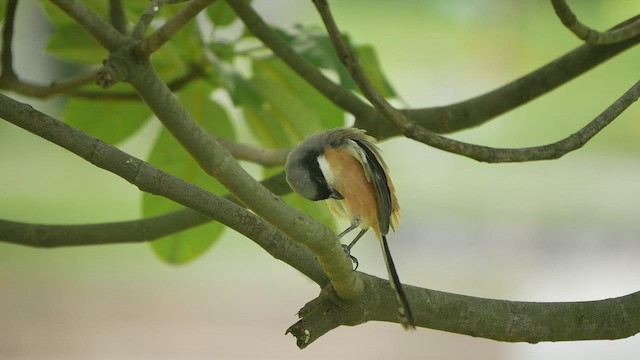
(502,320)
(476,152)
(495,319)
(590,35)
(151,179)
(100,29)
(170,28)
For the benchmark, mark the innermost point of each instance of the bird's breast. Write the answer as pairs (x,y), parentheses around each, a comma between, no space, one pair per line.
(348,178)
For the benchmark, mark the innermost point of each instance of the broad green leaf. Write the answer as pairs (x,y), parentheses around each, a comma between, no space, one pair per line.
(369,61)
(196,98)
(168,155)
(314,44)
(109,120)
(168,61)
(240,90)
(72,43)
(288,108)
(221,14)
(188,40)
(184,246)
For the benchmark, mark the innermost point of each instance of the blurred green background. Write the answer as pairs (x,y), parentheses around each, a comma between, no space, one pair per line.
(563,230)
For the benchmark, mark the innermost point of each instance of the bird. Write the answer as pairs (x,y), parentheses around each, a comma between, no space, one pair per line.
(344,167)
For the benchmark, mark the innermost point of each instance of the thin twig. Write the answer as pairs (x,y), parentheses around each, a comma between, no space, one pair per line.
(592,36)
(441,119)
(142,230)
(6,72)
(10,80)
(66,86)
(117,16)
(341,97)
(170,28)
(145,19)
(262,156)
(480,153)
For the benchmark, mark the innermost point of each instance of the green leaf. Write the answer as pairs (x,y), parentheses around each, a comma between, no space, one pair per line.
(314,45)
(239,89)
(369,61)
(109,120)
(168,155)
(188,41)
(74,45)
(221,14)
(283,108)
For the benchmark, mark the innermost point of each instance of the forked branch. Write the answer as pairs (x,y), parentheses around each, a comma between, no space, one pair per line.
(590,35)
(481,153)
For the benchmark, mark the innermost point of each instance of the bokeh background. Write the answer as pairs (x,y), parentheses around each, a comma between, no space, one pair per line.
(562,230)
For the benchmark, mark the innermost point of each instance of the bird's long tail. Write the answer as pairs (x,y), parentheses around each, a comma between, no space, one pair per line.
(404,311)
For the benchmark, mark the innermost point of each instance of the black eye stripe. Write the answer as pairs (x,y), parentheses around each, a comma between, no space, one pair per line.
(317,178)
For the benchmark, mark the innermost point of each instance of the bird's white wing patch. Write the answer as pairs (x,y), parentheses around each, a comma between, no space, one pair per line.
(329,174)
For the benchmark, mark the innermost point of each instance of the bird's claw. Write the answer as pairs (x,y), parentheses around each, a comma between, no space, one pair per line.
(353,259)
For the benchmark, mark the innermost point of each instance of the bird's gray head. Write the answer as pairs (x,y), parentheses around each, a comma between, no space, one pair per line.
(303,170)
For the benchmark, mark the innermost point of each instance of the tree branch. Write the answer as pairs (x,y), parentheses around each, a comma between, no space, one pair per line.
(478,110)
(6,71)
(151,179)
(215,160)
(170,28)
(476,152)
(117,16)
(145,19)
(341,97)
(142,230)
(262,156)
(494,319)
(590,35)
(502,320)
(441,119)
(67,86)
